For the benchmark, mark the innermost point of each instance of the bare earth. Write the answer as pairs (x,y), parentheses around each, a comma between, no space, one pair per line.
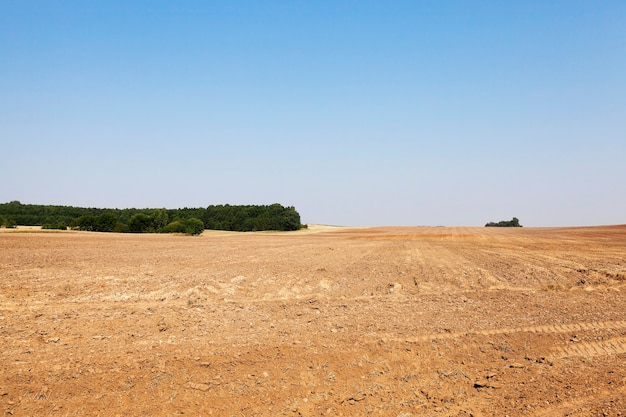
(419,321)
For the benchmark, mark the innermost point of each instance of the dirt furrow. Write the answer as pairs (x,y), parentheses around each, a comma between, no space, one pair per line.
(606,403)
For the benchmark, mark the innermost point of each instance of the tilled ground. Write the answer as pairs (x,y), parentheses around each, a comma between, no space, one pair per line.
(382,321)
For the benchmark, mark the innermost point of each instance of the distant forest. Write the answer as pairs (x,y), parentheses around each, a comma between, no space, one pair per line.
(185,220)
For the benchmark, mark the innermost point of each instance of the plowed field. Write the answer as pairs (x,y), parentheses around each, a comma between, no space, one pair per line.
(419,321)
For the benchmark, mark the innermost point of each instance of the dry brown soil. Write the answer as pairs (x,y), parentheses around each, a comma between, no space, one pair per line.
(419,321)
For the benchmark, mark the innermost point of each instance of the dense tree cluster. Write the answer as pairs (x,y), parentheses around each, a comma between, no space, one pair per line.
(185,220)
(505,223)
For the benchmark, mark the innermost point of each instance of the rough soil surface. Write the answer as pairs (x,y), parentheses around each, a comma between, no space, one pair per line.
(372,321)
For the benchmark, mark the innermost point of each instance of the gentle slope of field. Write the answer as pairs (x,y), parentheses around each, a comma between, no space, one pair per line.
(392,321)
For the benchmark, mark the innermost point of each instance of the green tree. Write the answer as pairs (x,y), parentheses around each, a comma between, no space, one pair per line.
(85,223)
(159,219)
(140,223)
(105,222)
(290,219)
(224,217)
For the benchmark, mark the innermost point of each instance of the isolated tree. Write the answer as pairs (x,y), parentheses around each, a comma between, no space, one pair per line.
(504,223)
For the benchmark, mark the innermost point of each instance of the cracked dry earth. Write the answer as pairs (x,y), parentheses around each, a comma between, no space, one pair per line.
(393,321)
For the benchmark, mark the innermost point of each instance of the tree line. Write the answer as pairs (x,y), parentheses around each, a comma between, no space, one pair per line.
(514,222)
(241,218)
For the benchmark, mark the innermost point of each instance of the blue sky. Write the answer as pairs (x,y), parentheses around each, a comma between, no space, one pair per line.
(354,112)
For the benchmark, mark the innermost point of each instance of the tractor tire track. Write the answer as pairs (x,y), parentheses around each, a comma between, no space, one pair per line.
(583,406)
(552,328)
(613,346)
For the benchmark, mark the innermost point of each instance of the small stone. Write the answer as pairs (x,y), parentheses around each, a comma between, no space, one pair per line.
(393,287)
(199,387)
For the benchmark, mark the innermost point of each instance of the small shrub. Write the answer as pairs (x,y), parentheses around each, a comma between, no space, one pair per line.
(55,226)
(120,228)
(191,226)
(194,226)
(176,226)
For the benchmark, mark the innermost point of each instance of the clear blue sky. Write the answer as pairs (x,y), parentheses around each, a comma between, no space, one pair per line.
(354,112)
